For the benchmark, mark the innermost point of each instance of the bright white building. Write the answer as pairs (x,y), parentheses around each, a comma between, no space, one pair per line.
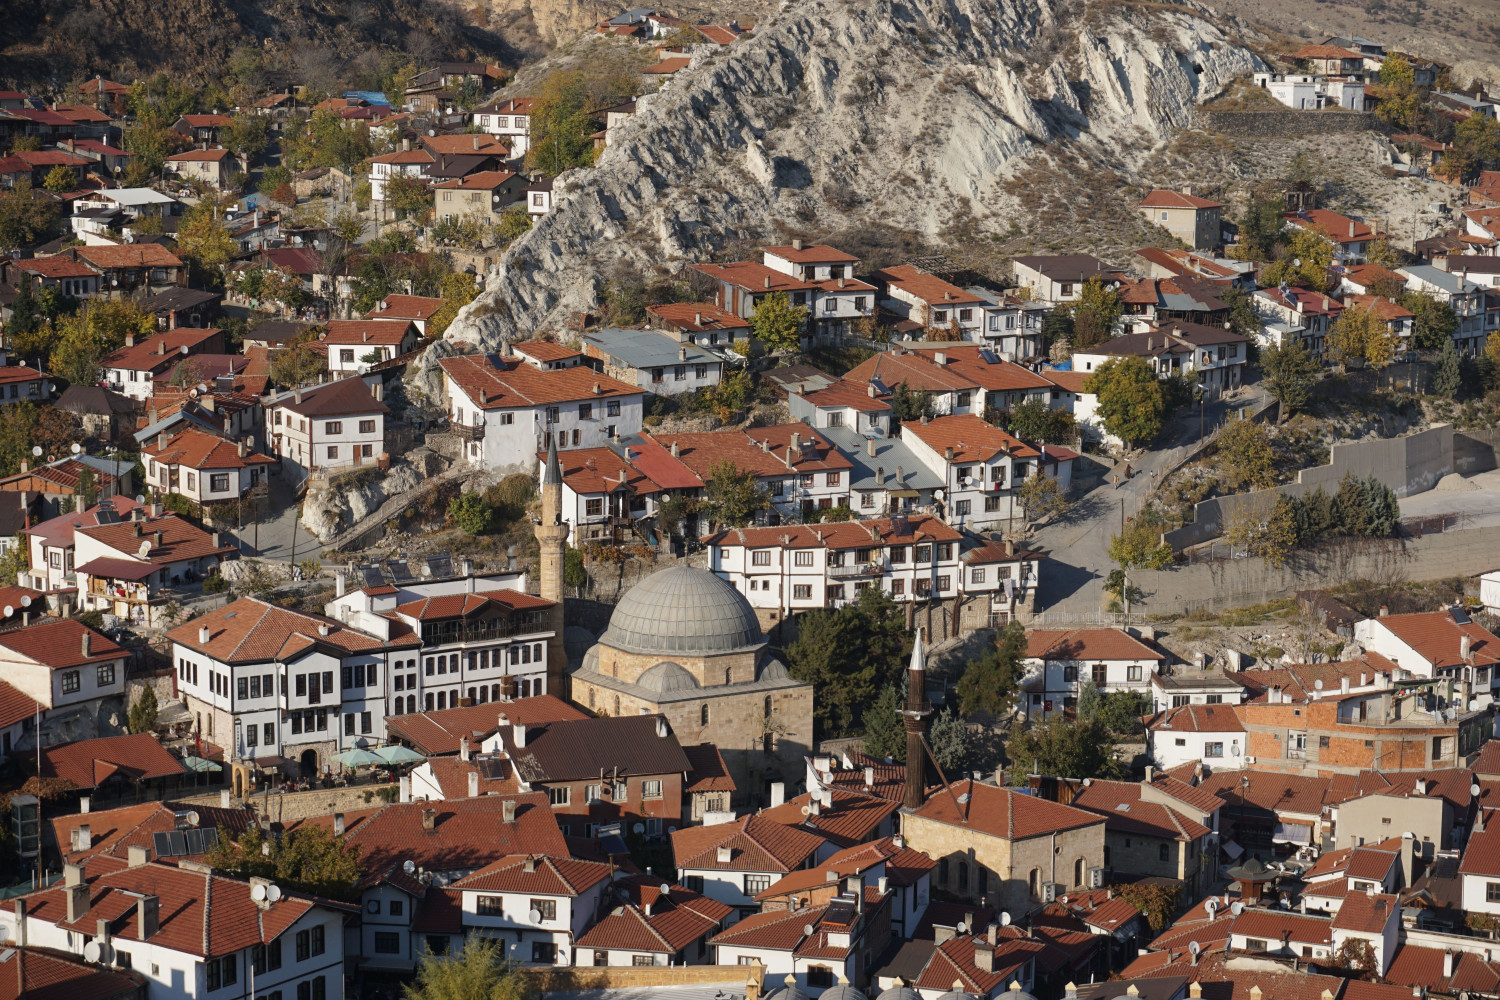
(1211,734)
(329,426)
(1059,661)
(982,466)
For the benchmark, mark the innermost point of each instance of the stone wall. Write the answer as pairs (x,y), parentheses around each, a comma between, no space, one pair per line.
(546,980)
(1278,124)
(290,806)
(1408,465)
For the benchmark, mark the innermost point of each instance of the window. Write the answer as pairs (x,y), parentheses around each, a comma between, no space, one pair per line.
(1099,674)
(1133,672)
(334,427)
(866,501)
(70,682)
(756,884)
(505,418)
(679,373)
(1254,944)
(803,558)
(964,315)
(1214,699)
(222,972)
(760,557)
(820,976)
(267,958)
(898,588)
(346,355)
(333,451)
(962,507)
(367,427)
(490,906)
(594,507)
(1213,749)
(651,789)
(944,583)
(1492,892)
(106,674)
(940,316)
(1161,852)
(585,411)
(1070,673)
(543,951)
(1322,743)
(802,591)
(387,943)
(559,796)
(252,735)
(700,371)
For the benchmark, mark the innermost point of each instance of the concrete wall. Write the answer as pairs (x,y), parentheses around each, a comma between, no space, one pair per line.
(1276,124)
(1474,451)
(1408,465)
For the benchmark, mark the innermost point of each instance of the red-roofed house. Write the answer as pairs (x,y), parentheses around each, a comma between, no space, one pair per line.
(546,902)
(815,947)
(89,764)
(817,278)
(735,862)
(1058,661)
(998,844)
(58,664)
(356,345)
(1435,644)
(123,568)
(212,167)
(202,466)
(845,403)
(982,466)
(1193,220)
(603,495)
(1349,236)
(417,309)
(1191,734)
(484,196)
(509,118)
(653,923)
(132,369)
(327,426)
(1147,838)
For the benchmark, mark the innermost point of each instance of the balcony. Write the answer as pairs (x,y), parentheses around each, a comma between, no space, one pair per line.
(468,432)
(858,569)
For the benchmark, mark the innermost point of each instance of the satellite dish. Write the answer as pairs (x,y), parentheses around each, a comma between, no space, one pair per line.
(91,951)
(807,929)
(408,866)
(26,603)
(535,916)
(1004,918)
(963,927)
(1237,908)
(937,494)
(76,448)
(639,828)
(1474,789)
(1194,948)
(1318,684)
(273,892)
(36,451)
(258,892)
(9,611)
(1211,905)
(140,498)
(192,817)
(806,810)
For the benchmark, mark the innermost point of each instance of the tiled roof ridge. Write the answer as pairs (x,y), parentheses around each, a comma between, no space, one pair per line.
(635,911)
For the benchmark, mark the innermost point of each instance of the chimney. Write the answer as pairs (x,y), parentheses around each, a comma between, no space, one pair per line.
(473,784)
(138,855)
(796,244)
(87,636)
(203,636)
(940,357)
(429,819)
(984,956)
(869,776)
(870,447)
(1448,963)
(224,798)
(948,453)
(338,824)
(1384,611)
(778,793)
(723,854)
(21,922)
(1351,229)
(83,837)
(1465,649)
(768,281)
(529,864)
(476,141)
(77,901)
(130,340)
(697,319)
(1195,990)
(72,875)
(161,347)
(84,803)
(148,916)
(463,748)
(161,441)
(676,451)
(508,811)
(518,735)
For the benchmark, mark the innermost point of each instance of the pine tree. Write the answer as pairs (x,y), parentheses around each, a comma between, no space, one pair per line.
(143,713)
(950,741)
(885,733)
(1449,378)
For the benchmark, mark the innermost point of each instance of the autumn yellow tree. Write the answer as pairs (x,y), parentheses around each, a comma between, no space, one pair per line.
(1360,334)
(1309,254)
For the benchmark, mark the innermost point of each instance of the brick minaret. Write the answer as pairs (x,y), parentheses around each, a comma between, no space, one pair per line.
(915,716)
(552,538)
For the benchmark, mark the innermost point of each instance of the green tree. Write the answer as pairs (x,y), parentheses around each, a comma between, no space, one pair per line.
(1260,230)
(1139,544)
(561,124)
(778,324)
(204,243)
(1057,328)
(1131,404)
(1089,700)
(308,859)
(18,423)
(951,742)
(1041,496)
(1094,312)
(247,136)
(672,510)
(407,196)
(1081,748)
(1037,423)
(1243,319)
(1309,255)
(13,562)
(85,337)
(850,654)
(885,731)
(909,404)
(144,712)
(512,225)
(27,216)
(477,972)
(348,225)
(732,497)
(1433,322)
(1121,712)
(88,488)
(1359,334)
(26,317)
(989,683)
(575,574)
(1448,380)
(470,513)
(296,366)
(1156,901)
(59,180)
(1245,450)
(1289,374)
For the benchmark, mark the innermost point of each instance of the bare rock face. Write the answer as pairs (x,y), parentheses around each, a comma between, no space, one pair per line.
(910,112)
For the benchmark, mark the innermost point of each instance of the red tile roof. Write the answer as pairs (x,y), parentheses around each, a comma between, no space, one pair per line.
(384,332)
(250,630)
(903,866)
(707,771)
(440,732)
(598,470)
(1197,719)
(466,833)
(754,277)
(1436,637)
(199,156)
(545,350)
(1366,912)
(671,65)
(1120,803)
(161,351)
(698,317)
(406,307)
(953,961)
(462,605)
(1089,644)
(971,437)
(838,534)
(969,361)
(179,540)
(112,832)
(56,267)
(1001,812)
(755,844)
(1482,853)
(927,287)
(515,383)
(1272,792)
(194,448)
(656,917)
(848,394)
(1333,226)
(851,819)
(87,763)
(33,974)
(816,253)
(543,875)
(59,644)
(1162,198)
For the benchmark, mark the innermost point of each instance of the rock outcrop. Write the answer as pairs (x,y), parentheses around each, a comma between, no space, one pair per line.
(910,112)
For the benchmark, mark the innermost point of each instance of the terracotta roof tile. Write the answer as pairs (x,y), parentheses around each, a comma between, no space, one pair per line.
(250,630)
(466,833)
(1162,198)
(440,732)
(1436,637)
(87,763)
(838,534)
(507,384)
(1119,802)
(927,287)
(1001,812)
(1366,912)
(382,332)
(1089,644)
(197,449)
(160,351)
(112,832)
(546,876)
(970,436)
(405,307)
(707,771)
(755,844)
(59,644)
(1197,719)
(180,539)
(852,818)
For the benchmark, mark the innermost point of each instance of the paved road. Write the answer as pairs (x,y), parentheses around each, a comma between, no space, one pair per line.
(275,529)
(1078,548)
(1480,506)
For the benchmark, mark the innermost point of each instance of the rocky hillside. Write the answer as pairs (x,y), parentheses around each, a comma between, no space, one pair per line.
(915,115)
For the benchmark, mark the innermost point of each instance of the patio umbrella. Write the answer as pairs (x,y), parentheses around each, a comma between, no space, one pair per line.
(200,764)
(357,758)
(399,755)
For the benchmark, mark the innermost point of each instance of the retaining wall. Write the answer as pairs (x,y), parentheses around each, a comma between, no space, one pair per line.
(1277,124)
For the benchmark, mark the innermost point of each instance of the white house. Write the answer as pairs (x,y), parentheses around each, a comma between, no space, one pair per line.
(816,947)
(62,664)
(201,466)
(123,568)
(506,410)
(800,467)
(736,861)
(819,279)
(982,466)
(1215,357)
(656,362)
(653,923)
(1464,296)
(508,118)
(1061,278)
(132,369)
(357,345)
(603,495)
(1295,314)
(860,408)
(402,163)
(1433,644)
(1479,867)
(190,933)
(1309,92)
(328,426)
(546,902)
(1211,734)
(50,543)
(1058,661)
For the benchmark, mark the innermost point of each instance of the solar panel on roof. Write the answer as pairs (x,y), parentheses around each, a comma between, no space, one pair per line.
(441,565)
(398,572)
(178,843)
(988,356)
(161,845)
(372,575)
(1460,615)
(202,840)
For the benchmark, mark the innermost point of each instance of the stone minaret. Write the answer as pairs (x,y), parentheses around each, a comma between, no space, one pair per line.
(552,537)
(915,716)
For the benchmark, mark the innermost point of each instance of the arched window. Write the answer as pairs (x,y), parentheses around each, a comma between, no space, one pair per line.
(1078,872)
(617,705)
(727,679)
(1034,883)
(767,711)
(943,872)
(591,698)
(963,875)
(703,716)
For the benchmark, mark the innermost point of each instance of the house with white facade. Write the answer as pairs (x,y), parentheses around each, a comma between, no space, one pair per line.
(1436,644)
(133,369)
(815,948)
(416,309)
(1479,866)
(1215,358)
(189,932)
(656,362)
(819,279)
(506,409)
(202,466)
(51,547)
(1059,661)
(1012,325)
(357,345)
(982,466)
(124,568)
(1295,314)
(1211,734)
(1465,297)
(509,119)
(736,861)
(799,467)
(844,404)
(1350,237)
(931,304)
(402,163)
(1061,278)
(1311,91)
(62,664)
(545,902)
(329,426)
(953,378)
(603,495)
(653,923)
